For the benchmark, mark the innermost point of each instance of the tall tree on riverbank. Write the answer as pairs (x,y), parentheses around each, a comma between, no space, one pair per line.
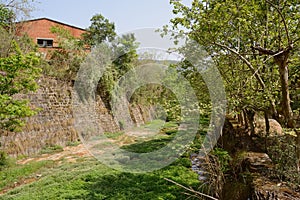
(263,35)
(258,38)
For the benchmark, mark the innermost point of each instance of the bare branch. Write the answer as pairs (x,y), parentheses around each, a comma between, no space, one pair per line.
(10,3)
(283,19)
(191,190)
(255,73)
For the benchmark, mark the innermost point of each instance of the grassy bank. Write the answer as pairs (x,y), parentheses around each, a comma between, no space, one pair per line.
(87,178)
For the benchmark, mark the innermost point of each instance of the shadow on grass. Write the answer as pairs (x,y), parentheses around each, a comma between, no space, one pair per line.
(140,186)
(148,146)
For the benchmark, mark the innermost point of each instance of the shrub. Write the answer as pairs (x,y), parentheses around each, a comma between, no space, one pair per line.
(3,159)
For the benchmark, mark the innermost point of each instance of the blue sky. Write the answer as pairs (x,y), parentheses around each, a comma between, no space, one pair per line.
(126,14)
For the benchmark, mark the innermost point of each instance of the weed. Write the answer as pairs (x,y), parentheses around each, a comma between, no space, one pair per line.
(224,159)
(51,149)
(3,160)
(15,172)
(113,135)
(282,153)
(73,144)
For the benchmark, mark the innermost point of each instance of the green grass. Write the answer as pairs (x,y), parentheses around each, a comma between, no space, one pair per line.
(154,125)
(113,135)
(51,149)
(73,144)
(148,146)
(89,179)
(14,173)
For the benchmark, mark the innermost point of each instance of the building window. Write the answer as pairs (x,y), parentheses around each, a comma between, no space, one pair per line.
(45,42)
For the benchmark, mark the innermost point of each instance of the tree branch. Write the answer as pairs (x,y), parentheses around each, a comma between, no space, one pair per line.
(255,73)
(191,190)
(283,19)
(263,51)
(296,40)
(273,54)
(10,3)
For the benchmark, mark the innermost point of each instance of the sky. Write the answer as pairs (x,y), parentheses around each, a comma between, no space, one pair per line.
(127,15)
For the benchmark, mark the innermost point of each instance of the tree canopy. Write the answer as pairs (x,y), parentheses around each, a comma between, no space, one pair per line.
(17,76)
(19,69)
(100,30)
(254,44)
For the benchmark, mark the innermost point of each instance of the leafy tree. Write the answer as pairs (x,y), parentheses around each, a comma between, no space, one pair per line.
(19,66)
(99,31)
(66,60)
(255,45)
(259,34)
(6,16)
(9,12)
(18,9)
(124,58)
(17,76)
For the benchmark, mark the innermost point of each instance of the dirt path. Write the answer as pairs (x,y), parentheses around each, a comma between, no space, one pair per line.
(70,153)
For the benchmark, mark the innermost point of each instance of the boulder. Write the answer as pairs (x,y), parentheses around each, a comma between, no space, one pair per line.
(264,189)
(275,128)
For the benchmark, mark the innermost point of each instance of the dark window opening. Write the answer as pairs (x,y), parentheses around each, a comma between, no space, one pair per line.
(45,42)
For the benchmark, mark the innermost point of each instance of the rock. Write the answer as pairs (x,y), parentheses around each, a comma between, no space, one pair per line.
(198,165)
(38,175)
(264,189)
(275,128)
(257,162)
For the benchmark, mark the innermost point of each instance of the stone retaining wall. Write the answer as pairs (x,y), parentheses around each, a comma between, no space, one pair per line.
(54,123)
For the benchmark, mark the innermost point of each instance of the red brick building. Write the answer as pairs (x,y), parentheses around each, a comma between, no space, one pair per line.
(40,32)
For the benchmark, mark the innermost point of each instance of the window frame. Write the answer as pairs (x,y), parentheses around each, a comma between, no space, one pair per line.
(46,42)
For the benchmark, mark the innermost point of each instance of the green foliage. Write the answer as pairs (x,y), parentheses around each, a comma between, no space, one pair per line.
(124,58)
(149,146)
(282,153)
(8,40)
(99,31)
(113,135)
(224,159)
(6,16)
(230,31)
(65,62)
(73,144)
(3,160)
(14,172)
(89,179)
(18,76)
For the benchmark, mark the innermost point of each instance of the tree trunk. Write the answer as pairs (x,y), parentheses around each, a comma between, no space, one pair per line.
(267,128)
(250,117)
(274,112)
(282,62)
(245,119)
(287,112)
(298,149)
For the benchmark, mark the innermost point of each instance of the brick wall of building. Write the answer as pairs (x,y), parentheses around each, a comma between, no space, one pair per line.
(41,29)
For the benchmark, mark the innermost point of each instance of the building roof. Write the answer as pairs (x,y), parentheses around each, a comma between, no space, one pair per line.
(55,21)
